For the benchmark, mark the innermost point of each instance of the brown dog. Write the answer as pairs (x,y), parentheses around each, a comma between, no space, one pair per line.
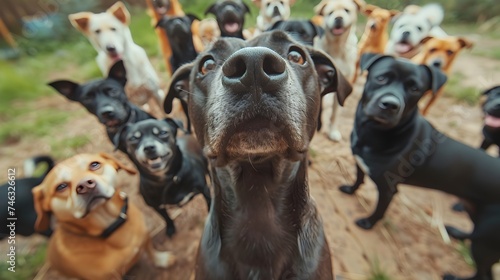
(441,53)
(375,36)
(99,234)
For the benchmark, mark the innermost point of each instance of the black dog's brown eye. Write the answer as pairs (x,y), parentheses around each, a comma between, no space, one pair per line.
(94,166)
(61,187)
(207,66)
(449,52)
(382,79)
(296,57)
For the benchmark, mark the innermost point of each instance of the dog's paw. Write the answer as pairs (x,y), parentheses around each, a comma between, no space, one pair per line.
(364,223)
(334,135)
(450,277)
(347,189)
(170,230)
(164,259)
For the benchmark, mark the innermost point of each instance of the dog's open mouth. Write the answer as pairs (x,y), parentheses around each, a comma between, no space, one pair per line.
(231,26)
(157,162)
(338,30)
(403,47)
(95,201)
(112,123)
(492,121)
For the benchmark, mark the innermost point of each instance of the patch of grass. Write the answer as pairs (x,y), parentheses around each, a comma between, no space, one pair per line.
(454,88)
(464,251)
(377,272)
(27,264)
(312,152)
(489,53)
(68,146)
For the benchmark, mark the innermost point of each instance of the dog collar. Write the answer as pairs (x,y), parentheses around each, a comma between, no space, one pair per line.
(122,218)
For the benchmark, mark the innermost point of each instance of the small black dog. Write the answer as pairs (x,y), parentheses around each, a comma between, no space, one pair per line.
(302,30)
(179,35)
(491,108)
(106,99)
(172,169)
(22,200)
(230,16)
(394,145)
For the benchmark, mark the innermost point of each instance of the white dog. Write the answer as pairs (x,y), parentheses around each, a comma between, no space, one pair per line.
(340,42)
(110,35)
(412,26)
(272,11)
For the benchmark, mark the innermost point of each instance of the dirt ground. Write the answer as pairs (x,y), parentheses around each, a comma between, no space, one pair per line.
(407,244)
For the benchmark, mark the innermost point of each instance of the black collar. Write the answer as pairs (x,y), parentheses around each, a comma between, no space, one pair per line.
(122,218)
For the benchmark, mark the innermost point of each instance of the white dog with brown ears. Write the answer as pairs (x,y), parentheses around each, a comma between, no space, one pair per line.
(340,42)
(110,35)
(272,11)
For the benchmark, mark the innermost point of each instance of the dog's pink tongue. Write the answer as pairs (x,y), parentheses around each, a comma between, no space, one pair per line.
(338,31)
(402,48)
(231,27)
(492,121)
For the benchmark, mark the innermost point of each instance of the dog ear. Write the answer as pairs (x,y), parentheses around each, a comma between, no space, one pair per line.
(291,2)
(179,82)
(330,79)
(162,22)
(465,43)
(367,59)
(176,124)
(360,4)
(394,13)
(67,88)
(257,3)
(490,90)
(80,21)
(276,25)
(246,8)
(436,77)
(119,11)
(318,9)
(427,38)
(369,8)
(212,9)
(118,72)
(117,164)
(318,31)
(119,134)
(192,17)
(42,211)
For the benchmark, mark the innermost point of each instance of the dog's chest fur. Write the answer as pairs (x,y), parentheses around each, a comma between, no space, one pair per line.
(342,49)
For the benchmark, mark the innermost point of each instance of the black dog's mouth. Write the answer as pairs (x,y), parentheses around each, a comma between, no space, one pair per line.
(491,121)
(155,162)
(114,123)
(231,26)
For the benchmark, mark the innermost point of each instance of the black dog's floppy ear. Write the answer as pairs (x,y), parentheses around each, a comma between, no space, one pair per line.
(176,124)
(118,73)
(178,83)
(119,134)
(368,59)
(192,17)
(66,88)
(247,9)
(275,26)
(437,78)
(319,31)
(161,23)
(212,9)
(490,90)
(330,79)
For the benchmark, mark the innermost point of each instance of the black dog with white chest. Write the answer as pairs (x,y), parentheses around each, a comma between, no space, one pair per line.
(491,108)
(172,169)
(180,36)
(230,16)
(106,99)
(254,107)
(394,145)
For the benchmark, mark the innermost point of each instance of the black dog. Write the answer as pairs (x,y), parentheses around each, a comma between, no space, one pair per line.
(302,30)
(394,144)
(17,194)
(172,169)
(179,35)
(491,108)
(254,106)
(230,16)
(106,99)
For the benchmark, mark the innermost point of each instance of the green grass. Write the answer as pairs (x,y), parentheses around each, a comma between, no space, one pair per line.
(464,251)
(377,272)
(454,88)
(489,53)
(68,146)
(27,264)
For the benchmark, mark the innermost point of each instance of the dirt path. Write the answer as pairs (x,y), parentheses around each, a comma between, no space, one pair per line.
(405,245)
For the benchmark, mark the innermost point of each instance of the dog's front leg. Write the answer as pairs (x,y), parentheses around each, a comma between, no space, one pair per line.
(385,195)
(170,231)
(360,178)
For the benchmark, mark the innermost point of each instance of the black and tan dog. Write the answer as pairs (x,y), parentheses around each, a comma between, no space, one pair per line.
(254,106)
(303,30)
(178,30)
(230,16)
(17,194)
(106,99)
(491,108)
(100,234)
(394,145)
(172,169)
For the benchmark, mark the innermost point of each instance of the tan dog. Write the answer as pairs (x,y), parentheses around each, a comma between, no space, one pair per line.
(208,31)
(375,36)
(340,42)
(109,34)
(99,234)
(272,11)
(441,53)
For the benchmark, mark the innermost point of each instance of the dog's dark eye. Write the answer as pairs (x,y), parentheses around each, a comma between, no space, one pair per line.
(113,29)
(296,57)
(61,187)
(112,92)
(268,4)
(382,79)
(412,87)
(450,52)
(163,133)
(432,50)
(97,31)
(90,96)
(347,11)
(419,28)
(94,166)
(207,66)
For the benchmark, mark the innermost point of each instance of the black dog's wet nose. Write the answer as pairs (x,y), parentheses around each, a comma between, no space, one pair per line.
(108,114)
(254,66)
(149,148)
(85,186)
(389,103)
(110,48)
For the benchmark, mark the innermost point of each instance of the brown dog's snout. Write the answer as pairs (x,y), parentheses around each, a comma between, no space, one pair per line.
(85,186)
(254,66)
